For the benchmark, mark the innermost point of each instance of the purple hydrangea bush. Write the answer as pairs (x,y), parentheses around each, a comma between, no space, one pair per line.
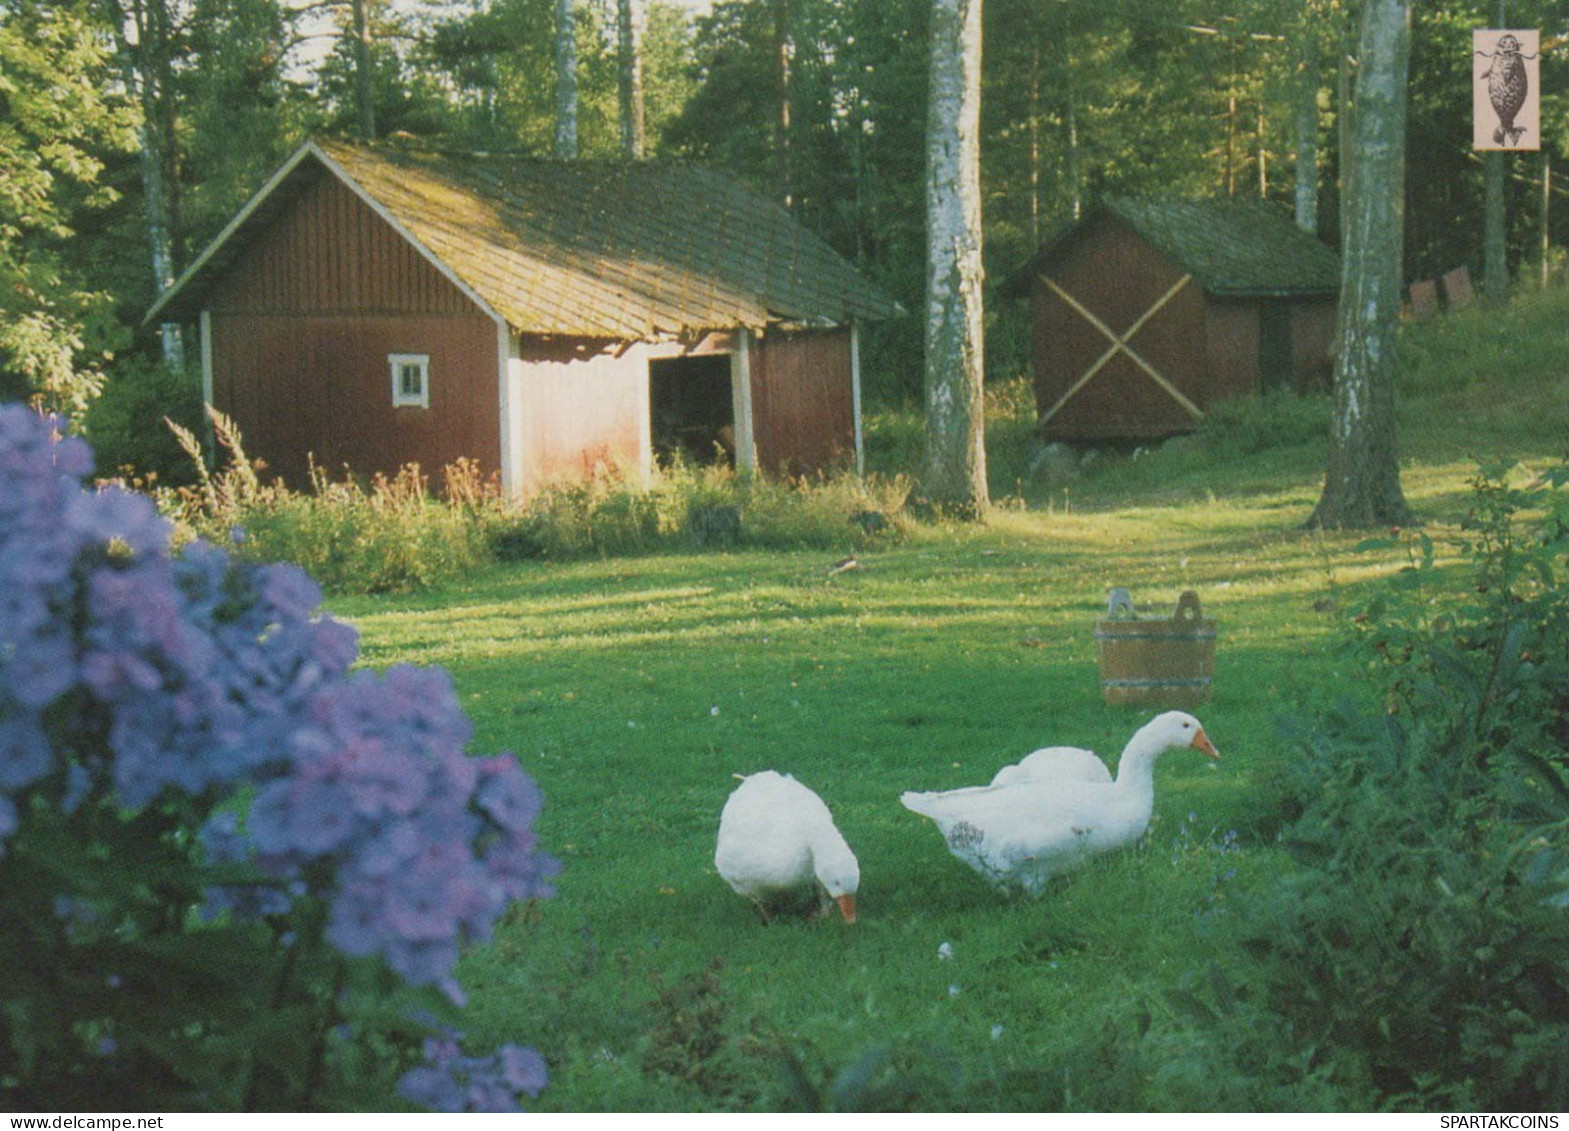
(241,870)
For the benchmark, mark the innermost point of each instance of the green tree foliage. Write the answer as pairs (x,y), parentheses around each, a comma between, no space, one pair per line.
(57,126)
(1444,206)
(494,71)
(243,111)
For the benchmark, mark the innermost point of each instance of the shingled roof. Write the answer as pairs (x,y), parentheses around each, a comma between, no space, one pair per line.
(608,250)
(1234,248)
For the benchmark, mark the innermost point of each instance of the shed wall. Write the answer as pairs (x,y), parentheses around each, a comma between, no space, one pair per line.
(1313,341)
(803,401)
(1117,276)
(1233,340)
(303,324)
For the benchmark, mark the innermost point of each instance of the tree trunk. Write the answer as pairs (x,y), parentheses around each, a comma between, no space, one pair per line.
(954,478)
(1345,157)
(1362,486)
(364,77)
(566,81)
(782,94)
(149,78)
(1544,225)
(1495,250)
(1035,147)
(629,68)
(1263,156)
(1495,263)
(1070,120)
(1306,195)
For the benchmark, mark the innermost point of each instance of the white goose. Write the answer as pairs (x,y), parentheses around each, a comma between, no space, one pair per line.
(1055,763)
(779,847)
(1020,833)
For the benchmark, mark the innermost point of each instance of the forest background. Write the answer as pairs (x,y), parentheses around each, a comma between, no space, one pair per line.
(131,131)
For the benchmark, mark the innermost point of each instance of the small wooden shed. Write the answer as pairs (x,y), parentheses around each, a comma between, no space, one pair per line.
(373,306)
(1148,311)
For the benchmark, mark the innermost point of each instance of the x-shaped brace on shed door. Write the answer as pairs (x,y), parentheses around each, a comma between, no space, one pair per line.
(1119,344)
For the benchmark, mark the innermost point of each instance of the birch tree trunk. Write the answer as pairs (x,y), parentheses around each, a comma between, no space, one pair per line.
(629,67)
(364,78)
(783,96)
(1362,486)
(566,81)
(144,34)
(954,477)
(1306,194)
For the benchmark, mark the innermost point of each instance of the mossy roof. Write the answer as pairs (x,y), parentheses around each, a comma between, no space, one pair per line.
(621,251)
(1233,248)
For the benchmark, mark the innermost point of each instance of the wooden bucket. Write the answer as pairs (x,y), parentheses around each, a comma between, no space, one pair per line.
(1155,662)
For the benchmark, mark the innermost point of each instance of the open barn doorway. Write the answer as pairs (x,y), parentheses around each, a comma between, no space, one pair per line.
(692,412)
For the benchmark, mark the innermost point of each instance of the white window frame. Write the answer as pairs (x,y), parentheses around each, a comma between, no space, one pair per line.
(398,362)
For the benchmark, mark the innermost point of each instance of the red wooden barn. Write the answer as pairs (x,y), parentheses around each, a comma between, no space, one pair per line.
(375,306)
(1148,311)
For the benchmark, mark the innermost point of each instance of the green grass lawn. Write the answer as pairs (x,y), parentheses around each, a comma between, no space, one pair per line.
(633,689)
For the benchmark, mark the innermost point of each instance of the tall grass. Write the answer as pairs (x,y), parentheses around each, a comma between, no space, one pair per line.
(399,533)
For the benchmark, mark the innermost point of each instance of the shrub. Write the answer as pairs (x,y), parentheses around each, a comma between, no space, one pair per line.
(122,423)
(232,873)
(1417,952)
(700,508)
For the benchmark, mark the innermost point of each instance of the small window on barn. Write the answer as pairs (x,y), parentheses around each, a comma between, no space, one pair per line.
(410,380)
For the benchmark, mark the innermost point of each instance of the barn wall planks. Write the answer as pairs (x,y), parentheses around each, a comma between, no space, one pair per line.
(330,253)
(1117,276)
(303,325)
(802,402)
(321,387)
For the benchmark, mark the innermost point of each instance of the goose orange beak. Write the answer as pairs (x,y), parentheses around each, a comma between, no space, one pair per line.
(847,907)
(1202,742)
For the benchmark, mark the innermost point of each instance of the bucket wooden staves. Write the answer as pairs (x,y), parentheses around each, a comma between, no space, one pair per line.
(1156,662)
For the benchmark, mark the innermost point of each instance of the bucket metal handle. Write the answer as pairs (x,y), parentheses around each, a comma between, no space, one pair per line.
(1120,606)
(1188,607)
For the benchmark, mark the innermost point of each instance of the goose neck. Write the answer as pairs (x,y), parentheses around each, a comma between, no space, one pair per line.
(1136,769)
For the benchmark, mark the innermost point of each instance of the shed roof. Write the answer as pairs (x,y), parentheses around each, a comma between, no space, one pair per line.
(1234,248)
(609,250)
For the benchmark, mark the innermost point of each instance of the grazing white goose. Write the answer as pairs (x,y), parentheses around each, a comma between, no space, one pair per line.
(779,847)
(1023,832)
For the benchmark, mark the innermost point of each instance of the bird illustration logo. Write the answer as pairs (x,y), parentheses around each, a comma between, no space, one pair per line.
(1507,87)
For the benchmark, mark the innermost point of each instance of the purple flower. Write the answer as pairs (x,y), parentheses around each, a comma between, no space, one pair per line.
(292,816)
(119,515)
(42,668)
(432,1088)
(125,666)
(8,821)
(24,750)
(451,1081)
(507,794)
(523,1069)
